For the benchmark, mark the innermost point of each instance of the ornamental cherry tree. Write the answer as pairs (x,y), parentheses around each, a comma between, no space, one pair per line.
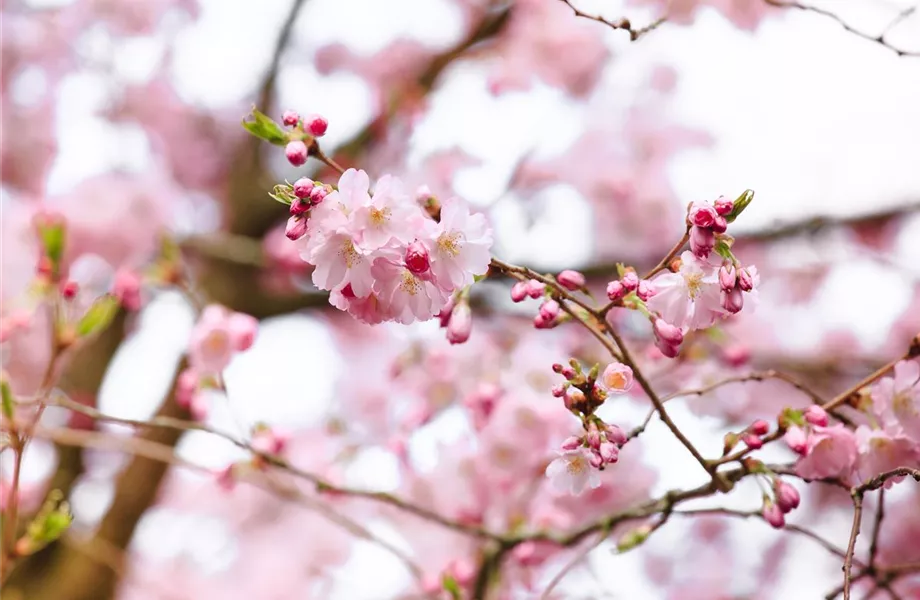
(634,423)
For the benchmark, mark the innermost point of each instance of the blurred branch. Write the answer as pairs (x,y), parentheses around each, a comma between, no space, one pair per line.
(621,23)
(878,39)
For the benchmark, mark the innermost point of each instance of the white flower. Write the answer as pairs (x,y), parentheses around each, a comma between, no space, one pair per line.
(460,248)
(572,471)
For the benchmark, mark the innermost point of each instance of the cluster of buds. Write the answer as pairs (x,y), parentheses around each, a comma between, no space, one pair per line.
(799,426)
(752,436)
(313,126)
(628,283)
(584,392)
(457,318)
(706,220)
(733,279)
(602,440)
(302,196)
(550,313)
(785,500)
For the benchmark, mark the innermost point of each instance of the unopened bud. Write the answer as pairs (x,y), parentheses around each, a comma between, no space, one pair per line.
(571,280)
(296,227)
(316,125)
(296,153)
(290,118)
(417,260)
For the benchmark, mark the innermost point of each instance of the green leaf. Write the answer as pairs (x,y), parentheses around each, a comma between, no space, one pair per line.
(49,524)
(741,202)
(264,128)
(99,315)
(7,395)
(52,236)
(633,538)
(724,249)
(451,586)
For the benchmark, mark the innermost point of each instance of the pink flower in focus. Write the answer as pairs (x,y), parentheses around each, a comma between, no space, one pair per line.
(616,378)
(831,453)
(405,296)
(796,438)
(896,400)
(572,472)
(388,215)
(461,246)
(690,297)
(339,261)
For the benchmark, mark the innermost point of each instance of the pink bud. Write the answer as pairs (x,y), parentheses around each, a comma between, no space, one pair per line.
(668,333)
(796,439)
(702,214)
(568,373)
(609,452)
(243,330)
(595,460)
(316,125)
(816,415)
(303,187)
(571,280)
(723,206)
(549,310)
(127,288)
(461,324)
(299,207)
(645,290)
(736,355)
(787,497)
(558,390)
(296,227)
(423,194)
(616,377)
(417,259)
(752,441)
(573,398)
(773,515)
(593,437)
(318,194)
(571,443)
(745,281)
(296,153)
(760,427)
(225,478)
(69,289)
(519,291)
(290,118)
(727,277)
(719,225)
(615,290)
(616,434)
(669,350)
(539,322)
(557,367)
(733,301)
(702,241)
(535,288)
(630,280)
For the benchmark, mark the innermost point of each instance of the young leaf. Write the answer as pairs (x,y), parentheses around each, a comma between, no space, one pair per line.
(99,315)
(52,238)
(7,395)
(264,128)
(741,202)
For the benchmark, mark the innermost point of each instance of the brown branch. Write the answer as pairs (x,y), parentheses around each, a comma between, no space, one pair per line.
(620,24)
(851,547)
(877,527)
(665,262)
(878,39)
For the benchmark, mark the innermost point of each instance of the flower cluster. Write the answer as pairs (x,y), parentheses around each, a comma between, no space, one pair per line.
(217,336)
(835,451)
(630,282)
(313,126)
(581,457)
(785,499)
(381,257)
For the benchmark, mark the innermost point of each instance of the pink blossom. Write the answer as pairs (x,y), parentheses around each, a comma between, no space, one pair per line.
(339,261)
(417,258)
(831,453)
(816,415)
(461,245)
(616,378)
(880,451)
(407,297)
(267,440)
(896,400)
(388,215)
(690,297)
(796,438)
(702,214)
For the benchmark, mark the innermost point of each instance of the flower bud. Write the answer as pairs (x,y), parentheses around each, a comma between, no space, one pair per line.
(668,333)
(723,206)
(702,214)
(417,259)
(299,207)
(296,227)
(669,350)
(760,427)
(702,241)
(316,125)
(557,367)
(549,310)
(630,280)
(816,415)
(720,225)
(290,118)
(773,515)
(535,288)
(296,153)
(461,324)
(571,443)
(787,497)
(796,439)
(569,373)
(303,187)
(69,289)
(127,288)
(609,452)
(727,277)
(645,290)
(571,280)
(519,291)
(541,323)
(558,390)
(574,398)
(752,441)
(733,301)
(595,460)
(616,434)
(745,281)
(593,437)
(615,290)
(242,329)
(318,194)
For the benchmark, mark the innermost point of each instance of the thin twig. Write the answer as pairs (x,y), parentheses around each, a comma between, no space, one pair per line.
(851,547)
(877,527)
(620,24)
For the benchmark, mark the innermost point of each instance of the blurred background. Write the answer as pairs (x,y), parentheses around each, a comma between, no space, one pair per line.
(583,149)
